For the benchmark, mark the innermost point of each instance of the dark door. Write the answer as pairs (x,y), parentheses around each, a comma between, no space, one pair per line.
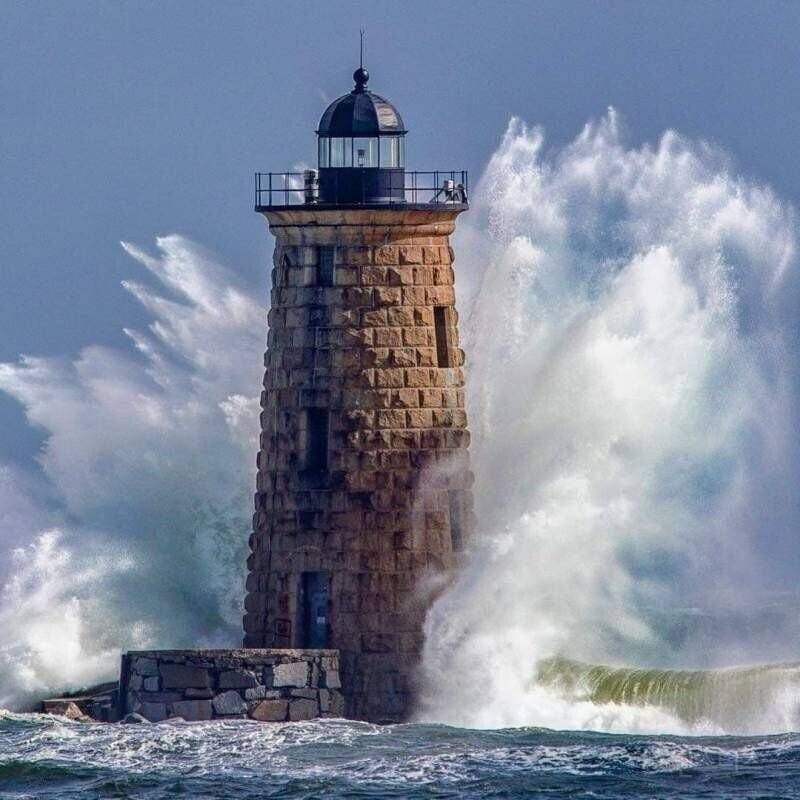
(314,609)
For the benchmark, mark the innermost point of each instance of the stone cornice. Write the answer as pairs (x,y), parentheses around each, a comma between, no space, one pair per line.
(313,225)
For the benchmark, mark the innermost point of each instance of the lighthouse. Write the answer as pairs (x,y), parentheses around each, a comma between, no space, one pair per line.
(363,504)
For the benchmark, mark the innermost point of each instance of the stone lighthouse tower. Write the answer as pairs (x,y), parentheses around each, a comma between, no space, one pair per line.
(363,499)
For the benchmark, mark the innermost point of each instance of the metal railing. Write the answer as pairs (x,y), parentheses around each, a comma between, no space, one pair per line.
(437,187)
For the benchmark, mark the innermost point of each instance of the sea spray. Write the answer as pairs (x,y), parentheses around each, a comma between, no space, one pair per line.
(632,383)
(149,461)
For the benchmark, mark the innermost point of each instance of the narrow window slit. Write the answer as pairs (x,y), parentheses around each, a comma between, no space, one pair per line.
(456,526)
(327,269)
(442,333)
(316,440)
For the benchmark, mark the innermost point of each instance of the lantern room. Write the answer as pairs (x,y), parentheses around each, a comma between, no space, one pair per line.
(361,146)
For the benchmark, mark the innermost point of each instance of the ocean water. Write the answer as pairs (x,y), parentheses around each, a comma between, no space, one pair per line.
(45,757)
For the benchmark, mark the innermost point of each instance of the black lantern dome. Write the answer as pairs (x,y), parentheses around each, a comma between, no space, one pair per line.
(361,148)
(361,113)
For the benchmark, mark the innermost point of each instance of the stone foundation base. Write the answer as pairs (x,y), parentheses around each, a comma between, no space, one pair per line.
(265,685)
(96,704)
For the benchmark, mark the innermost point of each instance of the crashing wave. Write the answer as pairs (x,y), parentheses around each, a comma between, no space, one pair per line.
(751,699)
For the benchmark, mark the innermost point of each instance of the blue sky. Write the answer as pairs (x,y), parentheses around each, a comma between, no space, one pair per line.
(131,120)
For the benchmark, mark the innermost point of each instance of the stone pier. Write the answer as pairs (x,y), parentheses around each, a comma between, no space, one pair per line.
(264,685)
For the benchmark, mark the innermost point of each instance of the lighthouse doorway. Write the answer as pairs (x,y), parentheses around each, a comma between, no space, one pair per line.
(314,609)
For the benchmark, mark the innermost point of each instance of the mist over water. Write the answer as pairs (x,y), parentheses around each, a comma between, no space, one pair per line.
(629,315)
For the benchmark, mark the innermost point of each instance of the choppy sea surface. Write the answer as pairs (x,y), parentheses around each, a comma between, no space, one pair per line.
(47,757)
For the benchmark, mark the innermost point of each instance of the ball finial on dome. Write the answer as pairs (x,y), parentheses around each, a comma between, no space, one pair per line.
(361,76)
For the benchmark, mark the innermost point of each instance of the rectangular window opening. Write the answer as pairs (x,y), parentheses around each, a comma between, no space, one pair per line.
(456,527)
(442,332)
(327,268)
(316,441)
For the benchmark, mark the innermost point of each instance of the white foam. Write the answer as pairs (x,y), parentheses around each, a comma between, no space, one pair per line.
(631,387)
(150,458)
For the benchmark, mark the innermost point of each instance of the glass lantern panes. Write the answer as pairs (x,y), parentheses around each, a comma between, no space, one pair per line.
(392,151)
(337,152)
(367,152)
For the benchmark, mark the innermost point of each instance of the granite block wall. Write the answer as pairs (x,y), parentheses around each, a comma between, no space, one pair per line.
(264,685)
(363,336)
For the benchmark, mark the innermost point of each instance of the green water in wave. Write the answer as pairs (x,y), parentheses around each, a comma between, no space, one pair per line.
(737,699)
